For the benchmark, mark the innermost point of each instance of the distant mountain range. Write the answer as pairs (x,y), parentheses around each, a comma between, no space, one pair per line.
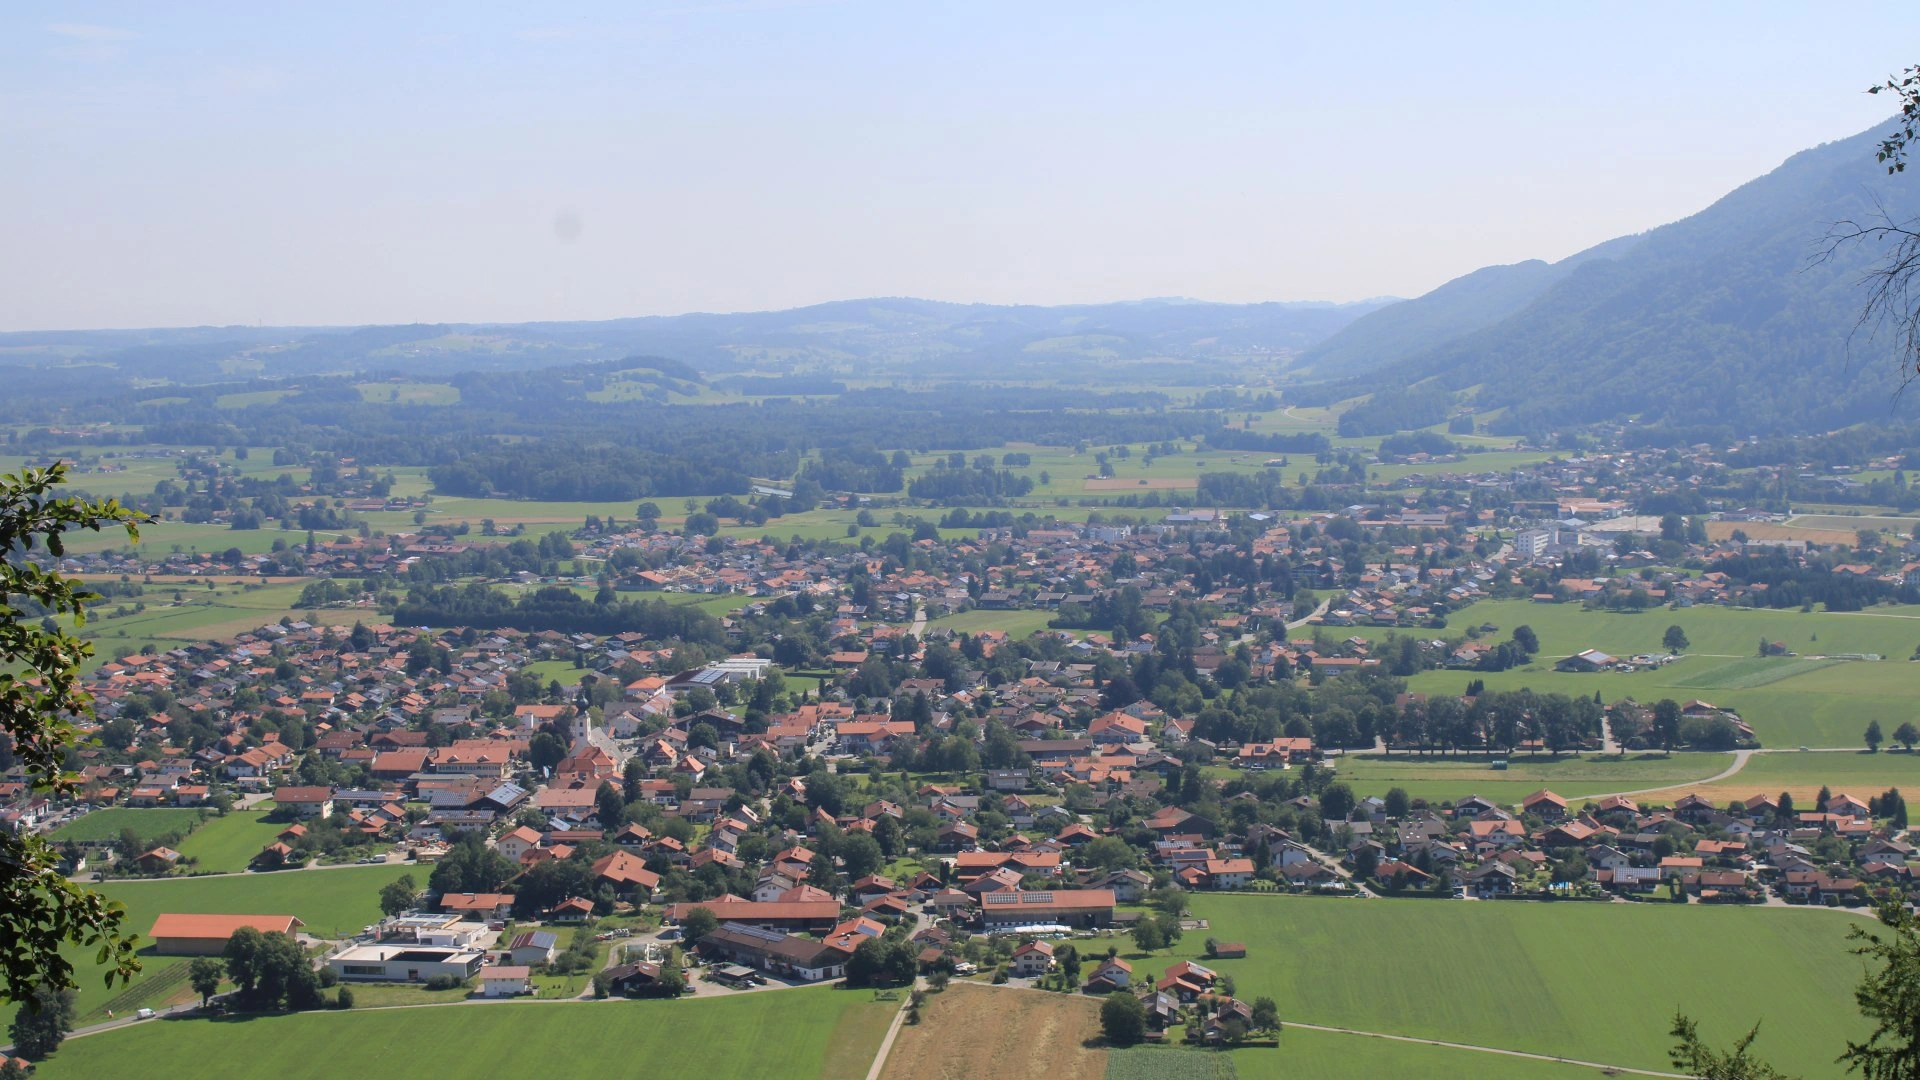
(1725,319)
(1148,340)
(1725,322)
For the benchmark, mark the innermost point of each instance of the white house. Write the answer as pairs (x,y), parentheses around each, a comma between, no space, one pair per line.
(1032,959)
(504,980)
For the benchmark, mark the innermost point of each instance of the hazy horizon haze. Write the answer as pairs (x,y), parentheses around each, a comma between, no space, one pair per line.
(226,164)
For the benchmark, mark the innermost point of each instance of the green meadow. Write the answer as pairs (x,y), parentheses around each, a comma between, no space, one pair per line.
(1468,465)
(1725,632)
(1857,773)
(228,844)
(1790,701)
(201,614)
(782,1035)
(1326,1055)
(1598,982)
(331,903)
(1016,624)
(409,393)
(146,823)
(1443,779)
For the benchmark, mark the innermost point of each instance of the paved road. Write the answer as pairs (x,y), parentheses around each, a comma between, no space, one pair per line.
(1607,745)
(1314,614)
(1739,762)
(1340,871)
(919,626)
(1740,759)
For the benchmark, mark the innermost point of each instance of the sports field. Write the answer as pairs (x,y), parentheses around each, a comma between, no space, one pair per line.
(146,823)
(781,1035)
(1598,982)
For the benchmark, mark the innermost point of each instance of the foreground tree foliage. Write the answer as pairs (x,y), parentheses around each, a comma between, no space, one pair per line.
(40,695)
(1703,1061)
(1889,995)
(1893,284)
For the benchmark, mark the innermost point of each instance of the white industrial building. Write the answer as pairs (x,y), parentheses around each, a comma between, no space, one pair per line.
(405,963)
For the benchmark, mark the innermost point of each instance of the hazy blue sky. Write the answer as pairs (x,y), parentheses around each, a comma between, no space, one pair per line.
(168,164)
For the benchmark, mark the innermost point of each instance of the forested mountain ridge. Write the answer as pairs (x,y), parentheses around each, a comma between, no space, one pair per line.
(1725,319)
(916,339)
(1470,302)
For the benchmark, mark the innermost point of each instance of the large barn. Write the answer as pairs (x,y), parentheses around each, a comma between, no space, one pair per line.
(206,935)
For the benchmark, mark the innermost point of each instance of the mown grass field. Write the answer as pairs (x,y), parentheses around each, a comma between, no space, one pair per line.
(146,823)
(1732,633)
(1017,624)
(1829,708)
(162,538)
(1440,779)
(1789,701)
(1468,465)
(561,671)
(974,1030)
(723,604)
(1594,981)
(1803,775)
(227,844)
(1324,1055)
(409,393)
(1902,525)
(1750,672)
(330,901)
(202,614)
(783,1035)
(250,397)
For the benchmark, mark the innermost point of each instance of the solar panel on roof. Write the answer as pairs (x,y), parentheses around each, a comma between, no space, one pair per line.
(1000,898)
(1036,898)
